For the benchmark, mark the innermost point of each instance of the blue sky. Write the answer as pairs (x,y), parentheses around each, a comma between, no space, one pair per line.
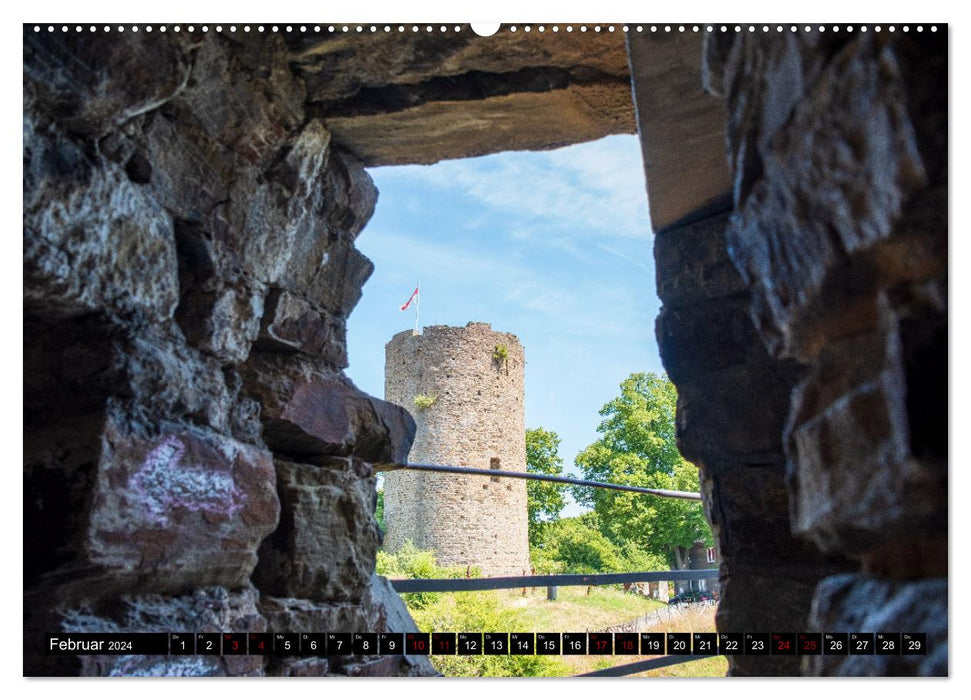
(553,246)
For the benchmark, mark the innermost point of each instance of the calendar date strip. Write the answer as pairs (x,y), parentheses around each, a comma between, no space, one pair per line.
(681,644)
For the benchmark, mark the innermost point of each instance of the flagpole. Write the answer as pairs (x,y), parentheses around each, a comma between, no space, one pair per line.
(417,305)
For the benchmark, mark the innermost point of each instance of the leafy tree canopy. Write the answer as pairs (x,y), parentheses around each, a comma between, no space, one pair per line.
(544,500)
(638,447)
(577,545)
(379,508)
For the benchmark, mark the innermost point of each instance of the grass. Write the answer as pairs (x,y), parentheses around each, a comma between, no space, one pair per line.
(692,619)
(575,610)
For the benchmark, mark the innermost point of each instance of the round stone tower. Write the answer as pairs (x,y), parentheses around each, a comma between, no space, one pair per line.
(464,387)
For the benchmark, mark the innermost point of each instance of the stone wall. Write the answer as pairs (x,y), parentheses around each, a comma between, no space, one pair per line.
(193,448)
(804,325)
(195,458)
(732,404)
(420,97)
(838,151)
(478,416)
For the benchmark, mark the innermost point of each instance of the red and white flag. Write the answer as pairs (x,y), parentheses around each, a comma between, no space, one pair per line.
(413,296)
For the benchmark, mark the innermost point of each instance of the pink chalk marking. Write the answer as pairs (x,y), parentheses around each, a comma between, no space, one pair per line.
(164,483)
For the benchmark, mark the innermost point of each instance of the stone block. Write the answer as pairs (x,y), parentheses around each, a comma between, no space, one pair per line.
(291,228)
(789,592)
(428,131)
(182,508)
(274,219)
(323,264)
(246,100)
(854,479)
(293,323)
(191,171)
(382,596)
(735,414)
(692,263)
(831,178)
(750,506)
(763,79)
(855,603)
(325,546)
(380,609)
(91,82)
(682,128)
(300,668)
(200,610)
(307,414)
(332,71)
(93,240)
(219,316)
(185,508)
(685,336)
(533,90)
(157,377)
(285,614)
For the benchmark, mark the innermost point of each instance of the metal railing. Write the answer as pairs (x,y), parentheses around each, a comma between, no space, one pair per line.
(553,581)
(568,480)
(451,585)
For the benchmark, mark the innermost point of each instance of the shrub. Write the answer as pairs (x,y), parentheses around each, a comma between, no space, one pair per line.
(580,547)
(543,561)
(481,611)
(462,612)
(577,545)
(423,401)
(411,562)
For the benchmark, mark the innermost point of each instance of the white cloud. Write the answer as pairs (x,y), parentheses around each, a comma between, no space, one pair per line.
(596,188)
(443,259)
(560,239)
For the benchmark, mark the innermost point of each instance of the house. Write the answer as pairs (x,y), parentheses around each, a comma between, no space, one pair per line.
(701,556)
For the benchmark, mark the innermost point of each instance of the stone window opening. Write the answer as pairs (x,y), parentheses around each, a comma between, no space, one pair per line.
(494,464)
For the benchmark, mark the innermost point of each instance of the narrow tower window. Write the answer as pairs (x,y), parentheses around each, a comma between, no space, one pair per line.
(494,464)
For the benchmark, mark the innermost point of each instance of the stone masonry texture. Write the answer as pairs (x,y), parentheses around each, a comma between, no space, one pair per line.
(804,324)
(477,417)
(838,153)
(191,204)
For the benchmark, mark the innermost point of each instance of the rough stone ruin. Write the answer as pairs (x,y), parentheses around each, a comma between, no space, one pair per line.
(195,456)
(478,419)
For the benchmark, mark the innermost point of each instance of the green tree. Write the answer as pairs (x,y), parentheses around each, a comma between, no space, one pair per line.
(638,447)
(582,548)
(379,509)
(578,546)
(544,500)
